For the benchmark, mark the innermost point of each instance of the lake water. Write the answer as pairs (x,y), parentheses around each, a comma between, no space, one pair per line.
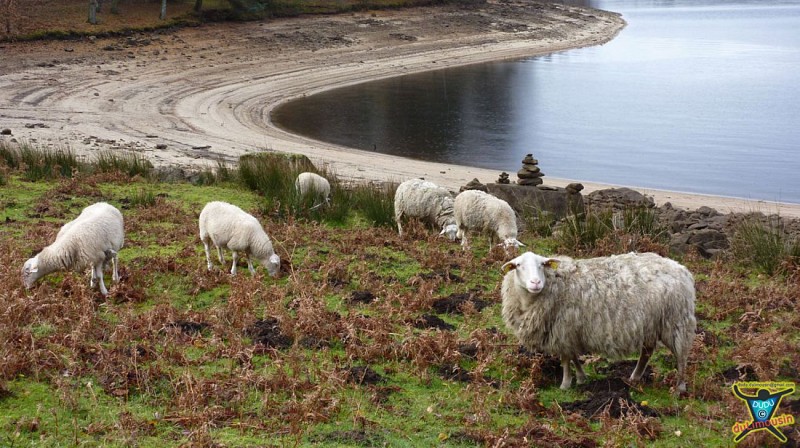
(699,96)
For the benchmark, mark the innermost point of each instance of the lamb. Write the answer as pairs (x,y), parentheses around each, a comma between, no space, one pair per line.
(613,306)
(477,210)
(432,204)
(93,239)
(230,227)
(313,184)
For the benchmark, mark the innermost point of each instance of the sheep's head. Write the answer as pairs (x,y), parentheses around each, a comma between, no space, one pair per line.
(30,272)
(529,271)
(450,231)
(510,243)
(273,264)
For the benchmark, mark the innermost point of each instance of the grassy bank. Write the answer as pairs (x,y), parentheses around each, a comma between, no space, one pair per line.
(365,339)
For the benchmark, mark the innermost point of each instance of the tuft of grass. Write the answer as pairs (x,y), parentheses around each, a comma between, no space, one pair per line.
(128,163)
(143,198)
(583,231)
(537,221)
(222,173)
(764,246)
(40,164)
(10,155)
(643,221)
(375,203)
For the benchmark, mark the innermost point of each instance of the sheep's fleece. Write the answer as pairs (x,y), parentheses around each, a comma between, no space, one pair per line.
(228,226)
(428,202)
(613,306)
(89,241)
(484,213)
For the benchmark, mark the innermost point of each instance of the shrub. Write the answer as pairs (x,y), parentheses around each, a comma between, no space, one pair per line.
(128,163)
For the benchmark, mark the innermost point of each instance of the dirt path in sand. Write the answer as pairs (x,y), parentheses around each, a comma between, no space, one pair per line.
(207,92)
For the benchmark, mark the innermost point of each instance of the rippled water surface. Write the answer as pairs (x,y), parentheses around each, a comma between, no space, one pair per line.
(698,96)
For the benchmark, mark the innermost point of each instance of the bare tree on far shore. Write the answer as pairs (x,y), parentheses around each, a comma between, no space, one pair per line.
(94,6)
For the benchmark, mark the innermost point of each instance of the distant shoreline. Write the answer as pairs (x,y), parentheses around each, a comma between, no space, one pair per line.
(189,97)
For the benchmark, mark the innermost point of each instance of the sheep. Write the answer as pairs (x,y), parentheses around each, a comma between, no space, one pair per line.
(230,227)
(477,210)
(93,239)
(313,184)
(613,306)
(427,201)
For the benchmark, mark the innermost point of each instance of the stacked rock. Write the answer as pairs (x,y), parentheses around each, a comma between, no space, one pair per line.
(474,184)
(530,174)
(503,179)
(574,188)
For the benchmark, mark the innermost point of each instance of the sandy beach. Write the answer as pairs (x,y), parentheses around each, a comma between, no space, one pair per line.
(191,96)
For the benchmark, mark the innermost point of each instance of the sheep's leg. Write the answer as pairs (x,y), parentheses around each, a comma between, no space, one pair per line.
(681,358)
(463,235)
(642,364)
(566,380)
(581,375)
(208,254)
(250,265)
(115,271)
(93,280)
(399,226)
(219,255)
(235,260)
(98,272)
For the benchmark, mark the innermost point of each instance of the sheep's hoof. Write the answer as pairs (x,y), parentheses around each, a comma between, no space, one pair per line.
(565,386)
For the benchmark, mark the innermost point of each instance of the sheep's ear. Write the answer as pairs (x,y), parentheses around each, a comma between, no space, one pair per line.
(508,267)
(552,263)
(34,266)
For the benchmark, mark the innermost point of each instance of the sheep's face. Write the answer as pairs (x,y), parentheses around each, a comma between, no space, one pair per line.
(450,231)
(273,264)
(509,243)
(30,271)
(529,271)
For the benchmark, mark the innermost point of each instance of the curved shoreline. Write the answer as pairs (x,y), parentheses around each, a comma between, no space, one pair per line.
(208,92)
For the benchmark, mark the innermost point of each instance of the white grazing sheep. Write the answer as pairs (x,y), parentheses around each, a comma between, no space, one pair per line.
(480,211)
(311,183)
(229,227)
(613,306)
(90,240)
(432,204)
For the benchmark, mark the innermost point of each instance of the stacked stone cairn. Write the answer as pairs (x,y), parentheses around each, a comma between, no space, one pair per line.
(530,174)
(503,179)
(474,184)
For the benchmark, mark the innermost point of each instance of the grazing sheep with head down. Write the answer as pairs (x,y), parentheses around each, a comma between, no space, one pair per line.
(229,227)
(614,306)
(432,204)
(90,240)
(482,212)
(313,184)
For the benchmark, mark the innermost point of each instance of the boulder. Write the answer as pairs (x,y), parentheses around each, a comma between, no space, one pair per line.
(557,202)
